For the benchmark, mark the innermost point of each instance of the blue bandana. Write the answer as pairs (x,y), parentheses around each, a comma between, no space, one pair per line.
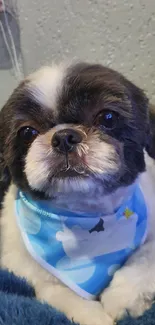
(83,251)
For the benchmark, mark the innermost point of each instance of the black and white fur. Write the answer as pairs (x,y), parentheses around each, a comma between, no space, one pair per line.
(100,172)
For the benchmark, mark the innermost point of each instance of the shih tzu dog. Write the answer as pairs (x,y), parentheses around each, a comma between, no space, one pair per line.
(78,219)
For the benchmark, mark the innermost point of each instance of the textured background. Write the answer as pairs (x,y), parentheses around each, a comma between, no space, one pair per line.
(118,33)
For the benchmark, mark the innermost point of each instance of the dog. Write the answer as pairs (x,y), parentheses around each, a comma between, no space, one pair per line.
(82,137)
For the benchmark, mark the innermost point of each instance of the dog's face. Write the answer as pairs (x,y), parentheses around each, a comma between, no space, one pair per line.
(69,129)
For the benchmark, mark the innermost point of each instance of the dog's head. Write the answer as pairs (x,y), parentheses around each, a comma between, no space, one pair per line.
(73,128)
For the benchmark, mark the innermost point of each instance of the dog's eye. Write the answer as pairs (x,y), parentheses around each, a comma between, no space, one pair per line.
(27,134)
(107,119)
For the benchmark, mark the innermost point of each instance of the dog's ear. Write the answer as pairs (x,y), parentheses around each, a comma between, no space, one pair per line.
(144,116)
(148,116)
(5,177)
(5,120)
(150,145)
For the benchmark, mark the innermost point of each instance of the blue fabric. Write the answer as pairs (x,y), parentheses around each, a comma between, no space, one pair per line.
(18,306)
(83,251)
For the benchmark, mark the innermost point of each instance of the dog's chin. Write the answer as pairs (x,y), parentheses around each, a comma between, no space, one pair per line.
(72,179)
(71,182)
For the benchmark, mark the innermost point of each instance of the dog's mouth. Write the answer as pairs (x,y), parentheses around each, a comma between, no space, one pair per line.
(71,168)
(71,172)
(67,173)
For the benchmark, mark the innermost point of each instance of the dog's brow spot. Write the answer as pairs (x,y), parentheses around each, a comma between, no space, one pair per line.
(45,85)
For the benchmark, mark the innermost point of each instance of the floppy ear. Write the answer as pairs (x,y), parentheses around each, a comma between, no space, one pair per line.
(150,146)
(4,171)
(144,115)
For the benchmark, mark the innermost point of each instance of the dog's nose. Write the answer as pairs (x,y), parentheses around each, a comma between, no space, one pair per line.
(66,140)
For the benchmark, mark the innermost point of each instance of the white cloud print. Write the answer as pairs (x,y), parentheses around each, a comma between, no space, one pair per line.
(78,275)
(79,243)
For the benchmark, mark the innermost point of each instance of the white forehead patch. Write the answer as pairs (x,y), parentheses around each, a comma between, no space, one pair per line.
(45,84)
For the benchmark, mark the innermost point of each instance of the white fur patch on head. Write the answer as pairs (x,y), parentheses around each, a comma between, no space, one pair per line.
(45,84)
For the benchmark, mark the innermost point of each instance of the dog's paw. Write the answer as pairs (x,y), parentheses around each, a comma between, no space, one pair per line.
(125,297)
(92,313)
(77,309)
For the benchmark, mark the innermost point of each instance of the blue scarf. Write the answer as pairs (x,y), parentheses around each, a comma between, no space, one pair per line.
(83,251)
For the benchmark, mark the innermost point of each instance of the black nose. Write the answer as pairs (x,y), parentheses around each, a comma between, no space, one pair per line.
(66,140)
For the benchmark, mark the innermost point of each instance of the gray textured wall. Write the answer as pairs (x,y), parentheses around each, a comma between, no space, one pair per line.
(119,33)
